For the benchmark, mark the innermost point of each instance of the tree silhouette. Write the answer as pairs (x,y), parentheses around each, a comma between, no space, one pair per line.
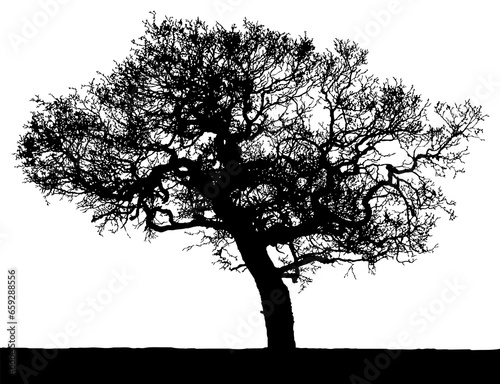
(260,142)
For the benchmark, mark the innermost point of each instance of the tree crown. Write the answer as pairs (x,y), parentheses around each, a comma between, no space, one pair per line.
(251,129)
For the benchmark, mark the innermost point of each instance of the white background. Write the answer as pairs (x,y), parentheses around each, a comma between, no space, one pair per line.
(448,50)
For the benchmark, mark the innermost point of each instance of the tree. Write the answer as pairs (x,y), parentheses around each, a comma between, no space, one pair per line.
(259,141)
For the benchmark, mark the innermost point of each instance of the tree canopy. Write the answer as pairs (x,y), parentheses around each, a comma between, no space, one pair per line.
(321,160)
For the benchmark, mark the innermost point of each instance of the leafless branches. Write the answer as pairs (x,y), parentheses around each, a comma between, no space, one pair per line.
(336,166)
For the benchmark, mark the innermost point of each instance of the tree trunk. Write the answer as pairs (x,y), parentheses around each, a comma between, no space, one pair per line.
(274,294)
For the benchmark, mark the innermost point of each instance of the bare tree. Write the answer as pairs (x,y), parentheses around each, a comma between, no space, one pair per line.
(260,142)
